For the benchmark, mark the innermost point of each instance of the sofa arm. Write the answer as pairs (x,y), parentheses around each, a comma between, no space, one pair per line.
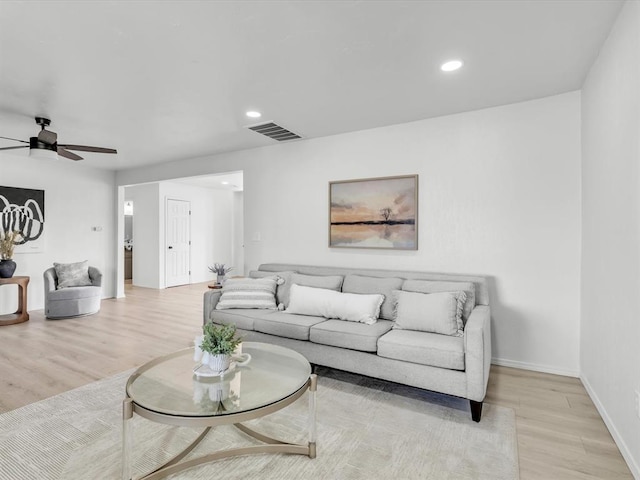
(49,280)
(477,349)
(96,276)
(211,298)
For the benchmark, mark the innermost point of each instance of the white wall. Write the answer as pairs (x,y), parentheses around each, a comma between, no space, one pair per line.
(211,227)
(212,219)
(77,198)
(238,232)
(146,242)
(499,196)
(610,330)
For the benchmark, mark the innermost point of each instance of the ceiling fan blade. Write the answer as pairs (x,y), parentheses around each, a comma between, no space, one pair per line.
(66,154)
(14,139)
(13,148)
(86,148)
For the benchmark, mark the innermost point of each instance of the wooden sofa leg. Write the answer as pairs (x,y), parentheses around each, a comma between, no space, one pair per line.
(476,410)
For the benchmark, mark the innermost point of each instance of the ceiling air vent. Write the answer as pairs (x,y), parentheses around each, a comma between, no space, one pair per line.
(275,131)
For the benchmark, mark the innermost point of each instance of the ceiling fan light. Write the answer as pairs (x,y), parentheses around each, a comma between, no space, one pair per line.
(43,153)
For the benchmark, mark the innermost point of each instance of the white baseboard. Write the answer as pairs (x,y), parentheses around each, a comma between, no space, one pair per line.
(622,446)
(535,367)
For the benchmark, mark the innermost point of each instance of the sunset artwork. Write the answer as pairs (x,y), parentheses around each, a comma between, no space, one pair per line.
(374,213)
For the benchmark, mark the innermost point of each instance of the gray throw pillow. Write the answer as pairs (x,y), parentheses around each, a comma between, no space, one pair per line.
(282,291)
(430,312)
(254,293)
(438,286)
(72,274)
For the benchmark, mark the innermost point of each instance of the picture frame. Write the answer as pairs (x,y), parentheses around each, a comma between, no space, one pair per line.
(376,213)
(22,209)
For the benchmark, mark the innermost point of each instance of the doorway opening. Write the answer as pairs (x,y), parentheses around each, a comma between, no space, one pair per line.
(215,230)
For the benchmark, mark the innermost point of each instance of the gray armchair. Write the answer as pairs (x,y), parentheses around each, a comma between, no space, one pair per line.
(71,301)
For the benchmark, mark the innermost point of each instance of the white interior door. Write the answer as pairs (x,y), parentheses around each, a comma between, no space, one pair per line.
(178,243)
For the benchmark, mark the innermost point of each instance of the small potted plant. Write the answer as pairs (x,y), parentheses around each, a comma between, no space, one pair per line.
(8,242)
(216,347)
(221,270)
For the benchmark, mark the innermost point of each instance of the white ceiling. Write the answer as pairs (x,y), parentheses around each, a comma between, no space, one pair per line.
(233,181)
(169,80)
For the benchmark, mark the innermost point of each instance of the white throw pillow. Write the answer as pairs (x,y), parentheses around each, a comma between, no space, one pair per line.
(248,293)
(430,312)
(321,302)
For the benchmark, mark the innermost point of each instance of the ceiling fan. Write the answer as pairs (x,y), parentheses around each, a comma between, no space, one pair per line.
(48,141)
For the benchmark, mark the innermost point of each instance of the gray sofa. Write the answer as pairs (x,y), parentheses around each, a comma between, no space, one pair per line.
(72,301)
(457,366)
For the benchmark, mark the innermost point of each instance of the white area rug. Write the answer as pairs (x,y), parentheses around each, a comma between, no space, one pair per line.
(367,429)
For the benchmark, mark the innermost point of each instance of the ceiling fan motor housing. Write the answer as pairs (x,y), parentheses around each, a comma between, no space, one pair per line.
(35,143)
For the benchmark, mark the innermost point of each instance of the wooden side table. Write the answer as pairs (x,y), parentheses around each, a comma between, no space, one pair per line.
(21,314)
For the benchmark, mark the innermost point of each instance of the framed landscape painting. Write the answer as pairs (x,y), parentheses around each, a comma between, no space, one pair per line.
(374,213)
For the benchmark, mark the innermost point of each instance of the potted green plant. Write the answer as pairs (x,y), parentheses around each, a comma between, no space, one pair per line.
(8,242)
(216,346)
(221,270)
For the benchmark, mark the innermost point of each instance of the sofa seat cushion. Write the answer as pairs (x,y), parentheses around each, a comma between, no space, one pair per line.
(72,293)
(242,318)
(287,325)
(431,349)
(367,285)
(355,336)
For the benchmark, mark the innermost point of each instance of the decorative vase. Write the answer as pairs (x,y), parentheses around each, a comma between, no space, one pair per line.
(220,279)
(7,268)
(218,363)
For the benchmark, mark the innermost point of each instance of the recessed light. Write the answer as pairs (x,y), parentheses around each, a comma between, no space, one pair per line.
(225,183)
(451,65)
(253,114)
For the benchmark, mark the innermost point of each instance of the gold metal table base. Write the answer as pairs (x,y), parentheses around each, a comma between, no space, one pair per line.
(271,445)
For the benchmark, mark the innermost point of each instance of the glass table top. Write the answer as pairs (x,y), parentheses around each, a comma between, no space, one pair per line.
(168,385)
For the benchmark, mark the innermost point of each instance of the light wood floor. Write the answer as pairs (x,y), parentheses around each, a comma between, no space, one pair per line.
(560,434)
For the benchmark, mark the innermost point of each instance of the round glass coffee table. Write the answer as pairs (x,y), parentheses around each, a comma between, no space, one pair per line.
(165,390)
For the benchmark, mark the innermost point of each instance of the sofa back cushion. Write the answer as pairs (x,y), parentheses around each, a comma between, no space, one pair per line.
(322,302)
(380,285)
(329,282)
(436,286)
